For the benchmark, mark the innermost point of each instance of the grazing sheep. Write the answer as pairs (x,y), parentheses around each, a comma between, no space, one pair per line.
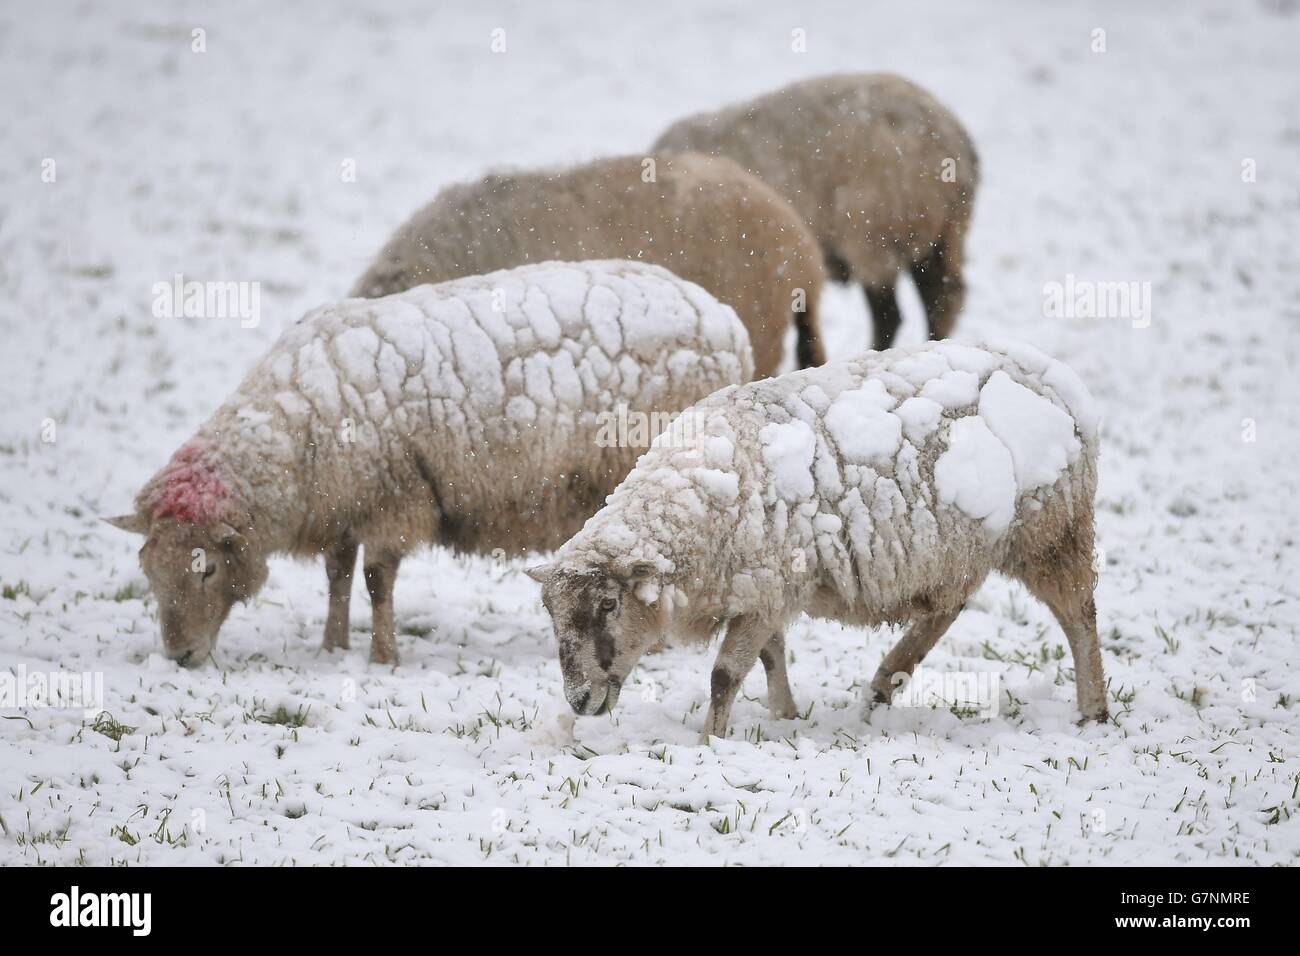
(882,173)
(706,219)
(877,490)
(474,414)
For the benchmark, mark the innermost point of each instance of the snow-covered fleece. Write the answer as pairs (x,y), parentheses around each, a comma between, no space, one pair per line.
(879,489)
(474,413)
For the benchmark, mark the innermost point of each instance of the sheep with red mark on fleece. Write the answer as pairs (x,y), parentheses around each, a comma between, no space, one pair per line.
(473,414)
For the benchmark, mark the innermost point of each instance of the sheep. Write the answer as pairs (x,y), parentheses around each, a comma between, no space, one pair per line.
(881,489)
(705,219)
(476,414)
(882,173)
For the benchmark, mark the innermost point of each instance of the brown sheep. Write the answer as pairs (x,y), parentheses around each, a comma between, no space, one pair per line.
(881,172)
(705,219)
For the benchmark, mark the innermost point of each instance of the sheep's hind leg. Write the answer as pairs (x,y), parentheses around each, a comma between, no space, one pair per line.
(1069,597)
(910,650)
(939,281)
(837,268)
(381,573)
(780,701)
(745,638)
(340,560)
(809,350)
(885,315)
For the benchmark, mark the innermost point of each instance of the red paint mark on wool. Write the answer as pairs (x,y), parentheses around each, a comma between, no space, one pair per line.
(189,488)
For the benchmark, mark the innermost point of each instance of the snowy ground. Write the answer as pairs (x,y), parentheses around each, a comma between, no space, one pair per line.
(1118,165)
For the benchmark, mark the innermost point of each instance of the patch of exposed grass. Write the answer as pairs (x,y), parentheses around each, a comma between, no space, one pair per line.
(283,716)
(111,728)
(131,591)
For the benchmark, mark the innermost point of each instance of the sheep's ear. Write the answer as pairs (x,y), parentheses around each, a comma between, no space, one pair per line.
(135,523)
(540,573)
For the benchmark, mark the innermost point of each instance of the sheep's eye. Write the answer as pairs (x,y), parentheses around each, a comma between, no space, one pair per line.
(210,570)
(608,604)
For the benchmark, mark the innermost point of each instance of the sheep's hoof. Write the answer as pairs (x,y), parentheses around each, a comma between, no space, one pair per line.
(382,656)
(1100,717)
(708,736)
(332,643)
(786,712)
(883,687)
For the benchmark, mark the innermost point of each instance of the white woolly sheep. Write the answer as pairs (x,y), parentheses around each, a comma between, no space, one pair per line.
(883,489)
(881,172)
(474,414)
(707,220)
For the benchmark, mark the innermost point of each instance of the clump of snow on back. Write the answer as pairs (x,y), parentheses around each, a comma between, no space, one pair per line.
(788,450)
(1039,435)
(977,474)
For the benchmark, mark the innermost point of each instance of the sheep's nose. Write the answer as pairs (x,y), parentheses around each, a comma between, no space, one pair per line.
(579,697)
(190,658)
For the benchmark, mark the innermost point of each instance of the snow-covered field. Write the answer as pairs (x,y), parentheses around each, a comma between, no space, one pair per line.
(1127,164)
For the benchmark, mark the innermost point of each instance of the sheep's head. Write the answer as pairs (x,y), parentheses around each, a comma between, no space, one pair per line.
(604,622)
(197,574)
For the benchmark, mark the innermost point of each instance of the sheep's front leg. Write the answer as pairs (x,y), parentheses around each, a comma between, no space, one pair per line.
(381,573)
(780,702)
(340,560)
(921,636)
(746,637)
